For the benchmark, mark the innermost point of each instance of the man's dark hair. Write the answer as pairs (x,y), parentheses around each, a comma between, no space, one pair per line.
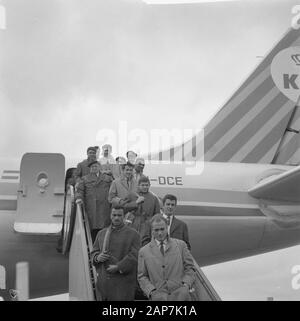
(117,207)
(127,164)
(91,148)
(144,179)
(130,151)
(169,197)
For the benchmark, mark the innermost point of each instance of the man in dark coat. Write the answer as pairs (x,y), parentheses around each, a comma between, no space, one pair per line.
(83,167)
(177,229)
(93,191)
(114,254)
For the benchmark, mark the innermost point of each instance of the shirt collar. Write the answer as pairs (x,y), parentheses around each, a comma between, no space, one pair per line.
(166,217)
(117,228)
(164,242)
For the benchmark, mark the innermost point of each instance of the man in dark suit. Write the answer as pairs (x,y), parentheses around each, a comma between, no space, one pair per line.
(176,228)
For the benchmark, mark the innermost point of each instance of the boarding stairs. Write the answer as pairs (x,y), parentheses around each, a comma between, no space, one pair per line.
(77,243)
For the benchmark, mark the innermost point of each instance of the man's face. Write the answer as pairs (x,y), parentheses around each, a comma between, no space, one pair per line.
(95,168)
(106,151)
(159,230)
(144,187)
(128,171)
(131,157)
(139,166)
(169,207)
(91,155)
(117,217)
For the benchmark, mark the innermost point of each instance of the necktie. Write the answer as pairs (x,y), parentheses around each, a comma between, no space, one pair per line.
(162,248)
(168,220)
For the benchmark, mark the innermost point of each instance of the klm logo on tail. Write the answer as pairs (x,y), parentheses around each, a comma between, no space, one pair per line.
(296,59)
(290,81)
(285,72)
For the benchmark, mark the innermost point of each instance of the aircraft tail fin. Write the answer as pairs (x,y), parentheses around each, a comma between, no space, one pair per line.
(260,123)
(250,127)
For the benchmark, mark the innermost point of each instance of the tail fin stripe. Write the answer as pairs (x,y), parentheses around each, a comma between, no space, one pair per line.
(290,144)
(289,136)
(238,113)
(235,102)
(295,158)
(289,149)
(260,120)
(269,155)
(246,121)
(257,147)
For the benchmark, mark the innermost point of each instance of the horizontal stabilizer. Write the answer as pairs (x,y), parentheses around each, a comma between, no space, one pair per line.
(284,187)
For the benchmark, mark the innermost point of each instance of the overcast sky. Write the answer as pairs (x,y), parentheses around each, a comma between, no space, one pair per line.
(69,68)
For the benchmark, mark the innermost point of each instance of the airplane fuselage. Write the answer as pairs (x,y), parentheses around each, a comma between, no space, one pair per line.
(48,269)
(224,221)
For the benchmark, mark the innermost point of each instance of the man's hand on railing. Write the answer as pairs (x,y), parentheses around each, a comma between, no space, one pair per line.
(102,257)
(79,201)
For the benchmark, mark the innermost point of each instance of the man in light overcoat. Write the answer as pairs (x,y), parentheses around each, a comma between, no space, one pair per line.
(166,270)
(122,187)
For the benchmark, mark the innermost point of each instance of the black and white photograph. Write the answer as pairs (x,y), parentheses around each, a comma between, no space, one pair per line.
(149,153)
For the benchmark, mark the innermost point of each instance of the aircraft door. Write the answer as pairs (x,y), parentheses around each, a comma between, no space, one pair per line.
(40,194)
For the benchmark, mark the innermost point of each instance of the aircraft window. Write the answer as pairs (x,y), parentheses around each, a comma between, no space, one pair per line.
(42,180)
(2,277)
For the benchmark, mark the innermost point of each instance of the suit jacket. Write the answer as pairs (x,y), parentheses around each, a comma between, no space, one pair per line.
(165,273)
(119,190)
(178,230)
